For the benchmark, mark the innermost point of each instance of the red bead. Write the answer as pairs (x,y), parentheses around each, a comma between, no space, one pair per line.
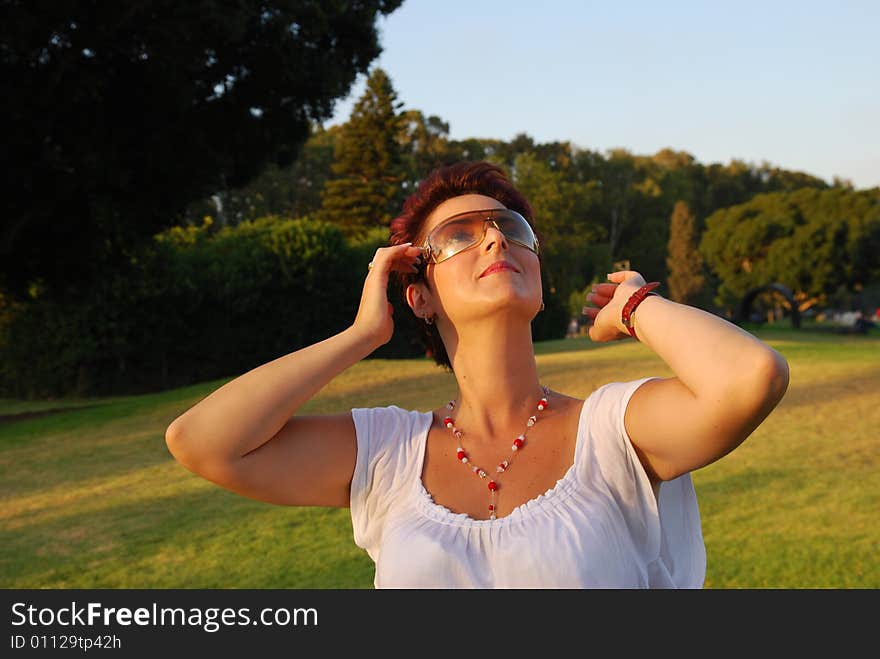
(447,421)
(461,454)
(491,507)
(493,485)
(518,442)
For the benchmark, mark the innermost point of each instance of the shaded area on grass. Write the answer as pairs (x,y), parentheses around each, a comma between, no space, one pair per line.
(24,416)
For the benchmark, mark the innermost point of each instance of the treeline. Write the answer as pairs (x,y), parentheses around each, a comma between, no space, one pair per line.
(257,271)
(595,210)
(198,304)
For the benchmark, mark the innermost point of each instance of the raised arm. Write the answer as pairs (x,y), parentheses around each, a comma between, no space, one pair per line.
(245,436)
(726,381)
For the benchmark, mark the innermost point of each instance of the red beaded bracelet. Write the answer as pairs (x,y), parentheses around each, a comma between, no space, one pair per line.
(634,300)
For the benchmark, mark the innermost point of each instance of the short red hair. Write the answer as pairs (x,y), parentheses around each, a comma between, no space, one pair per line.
(465,177)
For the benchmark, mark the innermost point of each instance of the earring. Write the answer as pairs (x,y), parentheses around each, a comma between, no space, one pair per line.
(542,306)
(429,320)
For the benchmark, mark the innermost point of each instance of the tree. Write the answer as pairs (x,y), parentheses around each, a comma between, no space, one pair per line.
(292,191)
(684,263)
(563,220)
(618,186)
(367,189)
(814,241)
(118,115)
(424,146)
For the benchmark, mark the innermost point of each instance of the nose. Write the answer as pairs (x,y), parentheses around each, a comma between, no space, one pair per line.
(493,236)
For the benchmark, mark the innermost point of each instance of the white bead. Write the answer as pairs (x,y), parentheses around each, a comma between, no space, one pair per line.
(514,448)
(449,425)
(540,407)
(464,459)
(492,516)
(458,448)
(499,469)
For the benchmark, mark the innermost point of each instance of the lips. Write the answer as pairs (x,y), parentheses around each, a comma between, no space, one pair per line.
(498,266)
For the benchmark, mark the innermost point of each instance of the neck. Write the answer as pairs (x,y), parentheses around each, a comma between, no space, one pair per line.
(498,384)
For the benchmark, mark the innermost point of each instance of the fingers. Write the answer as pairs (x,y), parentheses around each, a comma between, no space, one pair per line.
(625,275)
(601,294)
(598,300)
(604,290)
(621,275)
(400,258)
(412,259)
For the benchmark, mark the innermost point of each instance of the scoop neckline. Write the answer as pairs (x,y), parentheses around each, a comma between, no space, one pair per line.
(541,503)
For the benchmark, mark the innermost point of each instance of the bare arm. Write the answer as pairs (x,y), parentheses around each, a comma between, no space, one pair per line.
(726,381)
(245,436)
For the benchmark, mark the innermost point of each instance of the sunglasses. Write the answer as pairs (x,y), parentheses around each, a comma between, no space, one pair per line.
(466,230)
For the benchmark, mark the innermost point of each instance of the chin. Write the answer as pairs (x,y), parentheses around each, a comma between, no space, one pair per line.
(514,305)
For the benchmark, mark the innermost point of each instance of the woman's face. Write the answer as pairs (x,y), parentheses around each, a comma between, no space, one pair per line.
(459,289)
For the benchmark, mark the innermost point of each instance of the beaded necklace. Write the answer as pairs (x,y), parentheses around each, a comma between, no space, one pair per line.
(504,465)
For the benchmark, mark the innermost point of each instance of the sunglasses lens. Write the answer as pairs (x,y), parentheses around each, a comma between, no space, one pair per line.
(466,231)
(515,227)
(455,236)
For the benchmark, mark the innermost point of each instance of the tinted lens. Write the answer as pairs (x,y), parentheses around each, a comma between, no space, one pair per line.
(514,226)
(456,235)
(465,231)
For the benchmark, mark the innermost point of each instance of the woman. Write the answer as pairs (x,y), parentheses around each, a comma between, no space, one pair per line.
(511,484)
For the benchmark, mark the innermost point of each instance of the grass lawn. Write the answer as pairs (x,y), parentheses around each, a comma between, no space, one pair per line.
(92,498)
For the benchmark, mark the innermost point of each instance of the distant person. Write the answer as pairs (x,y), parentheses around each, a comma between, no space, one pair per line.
(512,484)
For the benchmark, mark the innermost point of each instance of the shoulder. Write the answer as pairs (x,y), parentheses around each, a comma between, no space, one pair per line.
(387,454)
(609,402)
(606,408)
(390,414)
(381,430)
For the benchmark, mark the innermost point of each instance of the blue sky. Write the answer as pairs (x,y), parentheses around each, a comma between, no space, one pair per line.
(795,84)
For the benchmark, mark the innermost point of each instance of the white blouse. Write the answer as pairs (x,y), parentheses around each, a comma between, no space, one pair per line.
(600,526)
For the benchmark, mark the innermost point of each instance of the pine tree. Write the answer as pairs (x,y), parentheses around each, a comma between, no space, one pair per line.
(684,263)
(366,190)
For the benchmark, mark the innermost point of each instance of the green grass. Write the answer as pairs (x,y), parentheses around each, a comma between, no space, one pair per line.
(92,498)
